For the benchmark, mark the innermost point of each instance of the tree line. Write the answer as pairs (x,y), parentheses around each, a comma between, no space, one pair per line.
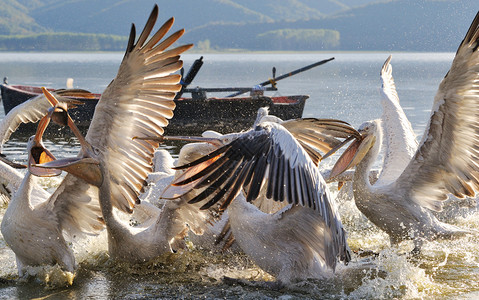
(62,42)
(283,39)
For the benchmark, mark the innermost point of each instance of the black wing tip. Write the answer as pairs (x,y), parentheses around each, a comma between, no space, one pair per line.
(151,21)
(472,34)
(153,15)
(155,9)
(131,39)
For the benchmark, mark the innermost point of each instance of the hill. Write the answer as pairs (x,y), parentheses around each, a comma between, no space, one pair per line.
(108,16)
(402,25)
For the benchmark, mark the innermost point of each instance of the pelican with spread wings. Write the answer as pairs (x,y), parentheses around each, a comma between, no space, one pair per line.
(445,162)
(138,101)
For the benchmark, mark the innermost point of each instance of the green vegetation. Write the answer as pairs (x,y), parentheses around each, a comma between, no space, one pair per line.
(300,39)
(62,42)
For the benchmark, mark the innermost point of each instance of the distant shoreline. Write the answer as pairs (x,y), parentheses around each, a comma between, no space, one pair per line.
(82,42)
(231,51)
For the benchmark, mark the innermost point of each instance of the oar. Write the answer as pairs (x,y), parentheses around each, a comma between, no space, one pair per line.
(195,67)
(274,80)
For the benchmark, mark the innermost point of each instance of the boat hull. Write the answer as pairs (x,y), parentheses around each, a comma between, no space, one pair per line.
(192,116)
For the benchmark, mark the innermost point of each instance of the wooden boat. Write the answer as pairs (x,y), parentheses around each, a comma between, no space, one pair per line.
(192,115)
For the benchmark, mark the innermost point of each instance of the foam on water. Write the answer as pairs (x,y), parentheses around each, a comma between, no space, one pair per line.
(392,273)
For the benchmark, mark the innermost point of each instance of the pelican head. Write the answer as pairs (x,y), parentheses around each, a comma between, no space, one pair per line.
(369,132)
(262,112)
(370,128)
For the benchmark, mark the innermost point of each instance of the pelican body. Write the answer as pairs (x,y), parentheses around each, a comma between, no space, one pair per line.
(34,233)
(387,206)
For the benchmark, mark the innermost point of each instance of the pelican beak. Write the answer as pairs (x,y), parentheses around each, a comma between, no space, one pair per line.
(38,154)
(87,168)
(59,114)
(353,154)
(53,101)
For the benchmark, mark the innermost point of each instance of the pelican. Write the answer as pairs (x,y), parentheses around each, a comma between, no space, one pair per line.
(137,102)
(34,233)
(304,238)
(445,161)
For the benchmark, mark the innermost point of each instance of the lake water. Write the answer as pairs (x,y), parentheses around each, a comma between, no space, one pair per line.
(346,88)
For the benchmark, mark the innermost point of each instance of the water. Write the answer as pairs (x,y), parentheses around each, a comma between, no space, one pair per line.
(346,88)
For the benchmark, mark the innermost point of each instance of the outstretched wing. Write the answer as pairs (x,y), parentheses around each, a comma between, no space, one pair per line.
(267,163)
(399,137)
(138,102)
(447,160)
(266,158)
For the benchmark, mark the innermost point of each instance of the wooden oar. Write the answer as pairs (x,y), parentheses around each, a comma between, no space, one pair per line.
(274,80)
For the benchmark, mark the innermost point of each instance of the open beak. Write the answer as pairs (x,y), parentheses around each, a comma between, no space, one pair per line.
(38,154)
(353,154)
(85,167)
(59,114)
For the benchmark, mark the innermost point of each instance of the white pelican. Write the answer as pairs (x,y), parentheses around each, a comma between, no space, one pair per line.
(137,102)
(34,233)
(303,239)
(444,163)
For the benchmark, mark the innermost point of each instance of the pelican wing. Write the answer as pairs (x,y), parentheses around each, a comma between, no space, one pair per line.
(138,102)
(447,159)
(399,137)
(31,111)
(75,205)
(318,136)
(265,158)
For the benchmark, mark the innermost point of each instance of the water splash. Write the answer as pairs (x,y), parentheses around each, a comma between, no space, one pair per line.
(52,277)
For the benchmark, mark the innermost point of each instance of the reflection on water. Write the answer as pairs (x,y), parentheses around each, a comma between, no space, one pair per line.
(346,88)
